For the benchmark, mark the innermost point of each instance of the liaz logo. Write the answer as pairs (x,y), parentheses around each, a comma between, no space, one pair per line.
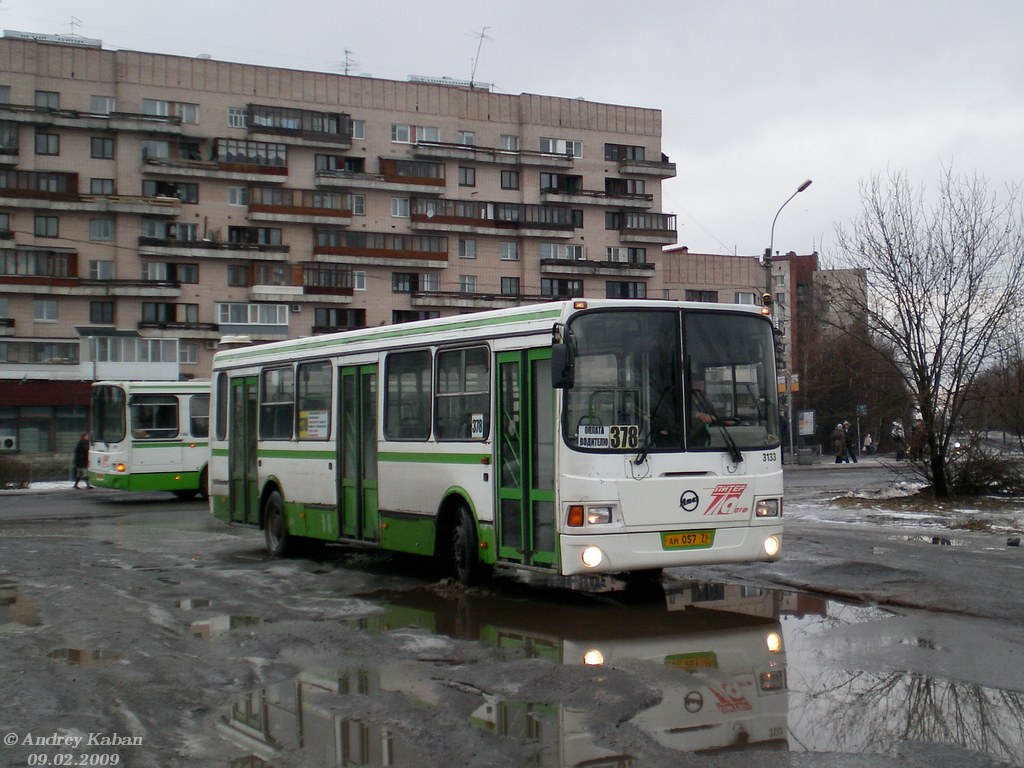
(724,499)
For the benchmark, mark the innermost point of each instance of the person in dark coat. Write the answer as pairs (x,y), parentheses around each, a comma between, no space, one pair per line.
(839,444)
(82,460)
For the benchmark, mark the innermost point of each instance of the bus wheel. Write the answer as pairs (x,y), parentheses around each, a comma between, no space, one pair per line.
(465,551)
(184,494)
(275,527)
(204,484)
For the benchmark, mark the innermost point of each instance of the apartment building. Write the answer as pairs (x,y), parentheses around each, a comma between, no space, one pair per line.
(151,205)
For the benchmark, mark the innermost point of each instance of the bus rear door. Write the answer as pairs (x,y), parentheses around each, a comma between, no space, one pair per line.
(525,442)
(243,500)
(357,452)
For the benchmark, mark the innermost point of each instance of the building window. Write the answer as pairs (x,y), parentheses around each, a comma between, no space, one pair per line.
(101,147)
(428,133)
(101,186)
(509,142)
(467,176)
(230,313)
(510,179)
(359,280)
(467,138)
(409,282)
(238,195)
(44,310)
(101,270)
(510,286)
(467,283)
(705,296)
(188,354)
(401,134)
(570,147)
(47,143)
(238,275)
(745,297)
(47,100)
(627,255)
(561,251)
(338,318)
(509,251)
(357,204)
(47,226)
(238,117)
(358,129)
(400,207)
(101,229)
(625,289)
(101,312)
(101,105)
(619,152)
(565,289)
(467,248)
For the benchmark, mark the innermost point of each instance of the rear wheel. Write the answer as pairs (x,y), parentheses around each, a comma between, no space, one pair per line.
(275,527)
(465,550)
(204,484)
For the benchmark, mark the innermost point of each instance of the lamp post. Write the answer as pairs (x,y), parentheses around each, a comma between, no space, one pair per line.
(768,289)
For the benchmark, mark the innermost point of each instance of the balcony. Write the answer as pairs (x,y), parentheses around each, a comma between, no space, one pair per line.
(91,121)
(37,185)
(438,150)
(597,268)
(516,219)
(659,228)
(470,301)
(30,269)
(302,127)
(595,197)
(380,249)
(132,288)
(211,248)
(299,206)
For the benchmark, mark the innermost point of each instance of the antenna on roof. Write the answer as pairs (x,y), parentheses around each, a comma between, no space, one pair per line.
(482,36)
(349,62)
(74,23)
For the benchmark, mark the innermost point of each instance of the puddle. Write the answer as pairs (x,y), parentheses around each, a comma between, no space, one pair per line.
(735,667)
(943,541)
(221,625)
(16,608)
(85,657)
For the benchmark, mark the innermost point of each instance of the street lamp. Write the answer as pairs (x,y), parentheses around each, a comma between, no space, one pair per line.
(768,290)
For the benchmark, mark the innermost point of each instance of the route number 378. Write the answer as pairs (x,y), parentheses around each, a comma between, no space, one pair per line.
(624,437)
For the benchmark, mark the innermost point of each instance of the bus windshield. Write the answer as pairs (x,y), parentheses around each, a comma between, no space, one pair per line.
(664,380)
(108,415)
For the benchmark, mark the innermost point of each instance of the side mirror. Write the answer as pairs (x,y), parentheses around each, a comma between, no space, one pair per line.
(562,369)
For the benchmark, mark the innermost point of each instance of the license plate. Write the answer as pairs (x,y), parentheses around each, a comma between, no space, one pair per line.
(693,662)
(687,540)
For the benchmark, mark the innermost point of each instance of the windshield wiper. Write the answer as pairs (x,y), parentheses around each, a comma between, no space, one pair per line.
(734,451)
(649,439)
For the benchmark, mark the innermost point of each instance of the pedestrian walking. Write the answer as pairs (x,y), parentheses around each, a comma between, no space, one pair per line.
(851,443)
(839,444)
(869,445)
(81,460)
(898,438)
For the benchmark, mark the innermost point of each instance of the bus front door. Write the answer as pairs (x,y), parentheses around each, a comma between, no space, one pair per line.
(242,437)
(525,443)
(357,452)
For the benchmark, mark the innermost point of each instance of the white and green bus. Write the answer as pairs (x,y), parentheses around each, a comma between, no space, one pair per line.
(150,436)
(573,437)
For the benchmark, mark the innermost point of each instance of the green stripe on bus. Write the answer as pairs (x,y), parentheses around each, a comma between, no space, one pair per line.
(434,458)
(147,481)
(297,453)
(176,444)
(394,332)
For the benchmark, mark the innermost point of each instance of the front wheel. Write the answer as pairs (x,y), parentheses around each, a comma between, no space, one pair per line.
(275,527)
(465,551)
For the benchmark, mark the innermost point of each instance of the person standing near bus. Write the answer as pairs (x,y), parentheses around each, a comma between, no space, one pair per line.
(81,460)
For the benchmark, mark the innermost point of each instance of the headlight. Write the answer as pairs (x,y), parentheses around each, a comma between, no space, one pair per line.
(593,658)
(775,680)
(772,545)
(774,642)
(768,508)
(599,515)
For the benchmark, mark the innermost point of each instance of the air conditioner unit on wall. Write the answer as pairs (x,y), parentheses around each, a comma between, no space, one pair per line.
(211,343)
(8,443)
(296,308)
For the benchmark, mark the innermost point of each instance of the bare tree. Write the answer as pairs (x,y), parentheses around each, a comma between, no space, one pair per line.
(943,283)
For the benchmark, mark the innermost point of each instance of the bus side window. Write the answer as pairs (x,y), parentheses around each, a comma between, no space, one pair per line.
(199,416)
(407,396)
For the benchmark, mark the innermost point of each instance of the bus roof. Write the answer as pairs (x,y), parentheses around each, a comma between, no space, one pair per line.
(523,320)
(192,385)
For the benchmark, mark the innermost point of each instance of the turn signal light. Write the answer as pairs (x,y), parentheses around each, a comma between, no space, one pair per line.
(575,519)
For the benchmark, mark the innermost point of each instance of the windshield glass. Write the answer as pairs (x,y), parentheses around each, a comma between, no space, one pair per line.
(107,414)
(628,391)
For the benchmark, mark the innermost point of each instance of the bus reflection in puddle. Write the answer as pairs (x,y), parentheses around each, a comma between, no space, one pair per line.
(721,675)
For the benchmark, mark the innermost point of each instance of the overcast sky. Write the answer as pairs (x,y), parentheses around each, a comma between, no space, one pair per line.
(756,95)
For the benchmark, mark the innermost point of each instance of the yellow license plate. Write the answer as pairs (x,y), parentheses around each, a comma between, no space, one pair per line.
(687,540)
(693,662)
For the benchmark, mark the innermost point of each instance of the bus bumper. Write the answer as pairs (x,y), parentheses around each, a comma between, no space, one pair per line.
(624,552)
